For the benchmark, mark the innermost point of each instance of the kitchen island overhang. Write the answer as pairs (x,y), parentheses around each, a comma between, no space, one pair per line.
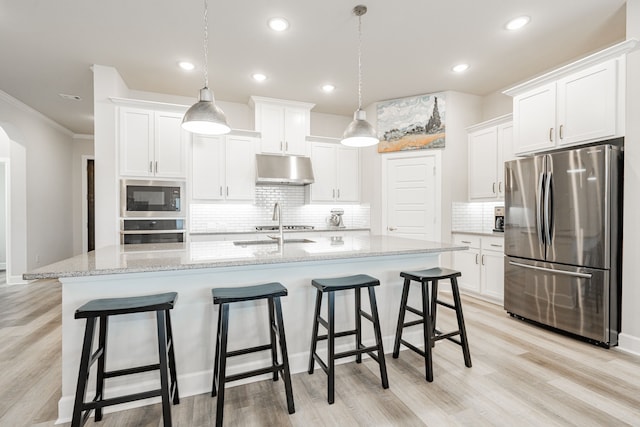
(192,269)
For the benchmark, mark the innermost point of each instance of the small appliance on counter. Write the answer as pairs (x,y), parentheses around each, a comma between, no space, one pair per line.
(498,213)
(335,219)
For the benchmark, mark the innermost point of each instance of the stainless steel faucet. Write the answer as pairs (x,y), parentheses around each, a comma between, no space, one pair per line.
(277,215)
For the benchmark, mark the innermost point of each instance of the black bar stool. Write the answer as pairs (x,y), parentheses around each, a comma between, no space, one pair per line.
(101,309)
(330,286)
(428,315)
(226,296)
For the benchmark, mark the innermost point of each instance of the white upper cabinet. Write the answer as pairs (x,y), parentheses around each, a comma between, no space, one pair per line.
(284,125)
(336,171)
(582,102)
(223,168)
(152,143)
(490,145)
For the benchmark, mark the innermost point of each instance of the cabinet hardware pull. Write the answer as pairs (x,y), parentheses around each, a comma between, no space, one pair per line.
(221,190)
(466,241)
(286,146)
(550,134)
(227,191)
(338,193)
(494,188)
(476,259)
(281,145)
(482,259)
(500,187)
(496,246)
(150,167)
(334,193)
(392,228)
(156,166)
(561,131)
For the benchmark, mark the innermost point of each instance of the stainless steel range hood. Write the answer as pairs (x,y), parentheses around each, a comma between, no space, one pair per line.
(285,170)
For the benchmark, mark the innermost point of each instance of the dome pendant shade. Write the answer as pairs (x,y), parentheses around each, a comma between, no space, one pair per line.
(205,117)
(359,133)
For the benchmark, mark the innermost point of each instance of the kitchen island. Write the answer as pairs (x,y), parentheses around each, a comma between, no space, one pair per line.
(192,269)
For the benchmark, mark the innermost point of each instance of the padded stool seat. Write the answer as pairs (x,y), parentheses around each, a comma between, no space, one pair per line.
(428,315)
(330,286)
(225,296)
(102,309)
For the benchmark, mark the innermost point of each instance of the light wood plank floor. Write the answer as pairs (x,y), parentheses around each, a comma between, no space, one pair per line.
(522,376)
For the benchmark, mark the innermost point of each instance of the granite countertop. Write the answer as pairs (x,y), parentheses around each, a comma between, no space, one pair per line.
(212,254)
(480,233)
(254,231)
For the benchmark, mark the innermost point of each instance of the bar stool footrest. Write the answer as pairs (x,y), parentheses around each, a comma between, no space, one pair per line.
(248,350)
(413,323)
(413,347)
(446,304)
(253,373)
(131,371)
(338,334)
(415,311)
(121,399)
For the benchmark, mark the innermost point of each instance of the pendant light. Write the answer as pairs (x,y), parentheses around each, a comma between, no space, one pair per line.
(205,117)
(359,133)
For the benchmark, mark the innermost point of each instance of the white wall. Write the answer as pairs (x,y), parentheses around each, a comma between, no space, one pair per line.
(630,337)
(495,105)
(40,173)
(3,217)
(331,125)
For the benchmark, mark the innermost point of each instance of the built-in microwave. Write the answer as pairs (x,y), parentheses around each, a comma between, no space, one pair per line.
(147,199)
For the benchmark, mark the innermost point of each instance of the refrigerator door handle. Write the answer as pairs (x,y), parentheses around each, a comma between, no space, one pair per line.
(551,270)
(539,210)
(548,208)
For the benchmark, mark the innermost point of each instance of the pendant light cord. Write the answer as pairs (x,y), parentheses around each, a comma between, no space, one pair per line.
(206,46)
(359,62)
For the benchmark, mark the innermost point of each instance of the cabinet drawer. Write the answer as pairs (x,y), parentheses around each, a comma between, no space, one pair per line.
(466,240)
(493,244)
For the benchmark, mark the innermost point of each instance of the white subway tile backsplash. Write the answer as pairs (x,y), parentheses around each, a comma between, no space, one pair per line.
(231,217)
(473,217)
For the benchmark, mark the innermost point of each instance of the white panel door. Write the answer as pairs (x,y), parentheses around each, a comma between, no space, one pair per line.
(169,146)
(348,168)
(323,158)
(483,164)
(468,263)
(411,197)
(534,119)
(136,142)
(295,131)
(272,129)
(493,274)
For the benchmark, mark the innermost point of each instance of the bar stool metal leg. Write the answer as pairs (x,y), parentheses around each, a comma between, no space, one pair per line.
(358,310)
(427,329)
(286,374)
(378,333)
(272,338)
(102,343)
(222,373)
(81,389)
(463,332)
(164,367)
(331,351)
(434,308)
(172,361)
(314,332)
(403,309)
(216,359)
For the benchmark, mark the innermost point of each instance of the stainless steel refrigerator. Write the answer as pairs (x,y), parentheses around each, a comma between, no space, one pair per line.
(563,240)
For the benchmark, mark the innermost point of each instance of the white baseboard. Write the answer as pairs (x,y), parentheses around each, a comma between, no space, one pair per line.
(200,382)
(629,344)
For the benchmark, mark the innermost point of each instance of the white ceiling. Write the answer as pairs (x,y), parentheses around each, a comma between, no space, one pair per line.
(409,47)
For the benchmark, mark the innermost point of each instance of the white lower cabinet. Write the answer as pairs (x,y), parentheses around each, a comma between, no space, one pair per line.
(482,266)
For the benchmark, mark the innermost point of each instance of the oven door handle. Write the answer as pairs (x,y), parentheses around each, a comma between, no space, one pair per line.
(551,270)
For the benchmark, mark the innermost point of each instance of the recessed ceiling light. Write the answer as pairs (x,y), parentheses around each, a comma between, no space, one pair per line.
(278,24)
(70,97)
(259,77)
(517,23)
(185,65)
(460,68)
(328,88)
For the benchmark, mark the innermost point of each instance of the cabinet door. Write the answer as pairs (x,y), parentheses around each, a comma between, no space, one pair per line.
(505,153)
(348,174)
(468,263)
(240,168)
(534,118)
(296,129)
(493,274)
(323,159)
(587,104)
(169,146)
(136,142)
(272,129)
(208,167)
(483,164)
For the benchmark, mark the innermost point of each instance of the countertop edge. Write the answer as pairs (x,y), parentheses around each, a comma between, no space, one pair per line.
(234,263)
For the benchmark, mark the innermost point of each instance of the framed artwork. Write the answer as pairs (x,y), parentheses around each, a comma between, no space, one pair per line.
(413,123)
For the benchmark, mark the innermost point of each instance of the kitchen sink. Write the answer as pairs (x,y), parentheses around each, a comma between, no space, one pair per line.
(269,242)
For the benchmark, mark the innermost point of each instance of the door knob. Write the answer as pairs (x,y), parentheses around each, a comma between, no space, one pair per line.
(392,228)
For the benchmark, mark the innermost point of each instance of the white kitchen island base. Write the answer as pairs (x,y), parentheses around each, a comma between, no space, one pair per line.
(132,338)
